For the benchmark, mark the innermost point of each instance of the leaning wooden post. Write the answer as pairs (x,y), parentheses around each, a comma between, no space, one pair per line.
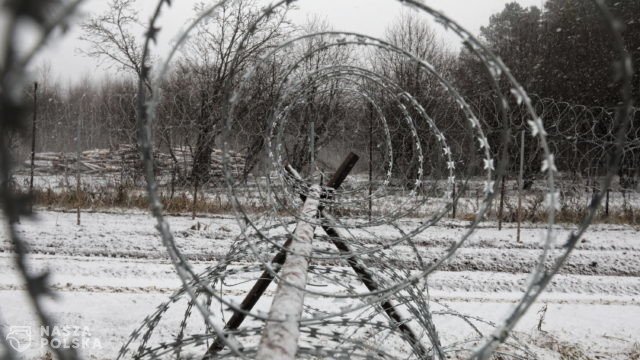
(280,335)
(250,300)
(364,274)
(338,237)
(267,276)
(360,269)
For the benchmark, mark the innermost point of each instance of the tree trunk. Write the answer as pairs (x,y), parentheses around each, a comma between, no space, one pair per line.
(201,172)
(202,158)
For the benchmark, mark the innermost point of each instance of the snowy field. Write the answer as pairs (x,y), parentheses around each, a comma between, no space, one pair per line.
(112,271)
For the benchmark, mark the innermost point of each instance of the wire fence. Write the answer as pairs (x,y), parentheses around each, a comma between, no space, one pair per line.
(422,161)
(110,177)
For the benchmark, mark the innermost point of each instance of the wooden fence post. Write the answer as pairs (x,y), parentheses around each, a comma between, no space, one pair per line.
(78,192)
(370,164)
(33,134)
(453,210)
(606,209)
(520,184)
(194,210)
(501,210)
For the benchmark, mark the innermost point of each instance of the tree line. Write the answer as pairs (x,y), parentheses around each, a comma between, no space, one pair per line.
(561,54)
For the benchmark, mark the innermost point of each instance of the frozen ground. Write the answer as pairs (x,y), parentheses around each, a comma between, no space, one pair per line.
(112,271)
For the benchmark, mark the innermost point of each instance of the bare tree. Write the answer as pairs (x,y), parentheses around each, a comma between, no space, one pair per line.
(414,35)
(322,110)
(111,36)
(224,45)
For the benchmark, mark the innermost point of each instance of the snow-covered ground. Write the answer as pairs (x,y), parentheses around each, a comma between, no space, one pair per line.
(112,271)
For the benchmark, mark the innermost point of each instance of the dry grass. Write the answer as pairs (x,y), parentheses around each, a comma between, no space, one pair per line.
(570,214)
(122,197)
(566,350)
(533,210)
(634,352)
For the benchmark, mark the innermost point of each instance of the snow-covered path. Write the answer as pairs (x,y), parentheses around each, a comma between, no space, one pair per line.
(112,271)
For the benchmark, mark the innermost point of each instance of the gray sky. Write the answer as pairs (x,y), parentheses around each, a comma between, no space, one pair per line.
(369,17)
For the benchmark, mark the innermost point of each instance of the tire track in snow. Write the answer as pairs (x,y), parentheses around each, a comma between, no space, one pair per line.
(269,294)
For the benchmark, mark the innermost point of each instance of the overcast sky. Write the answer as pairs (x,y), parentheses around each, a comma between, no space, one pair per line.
(369,17)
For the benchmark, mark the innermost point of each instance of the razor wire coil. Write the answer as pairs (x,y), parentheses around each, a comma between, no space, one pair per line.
(346,331)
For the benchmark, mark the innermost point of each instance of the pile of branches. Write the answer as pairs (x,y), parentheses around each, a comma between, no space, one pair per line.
(126,159)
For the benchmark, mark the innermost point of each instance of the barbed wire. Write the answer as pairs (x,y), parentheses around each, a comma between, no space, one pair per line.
(282,204)
(580,136)
(385,308)
(47,16)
